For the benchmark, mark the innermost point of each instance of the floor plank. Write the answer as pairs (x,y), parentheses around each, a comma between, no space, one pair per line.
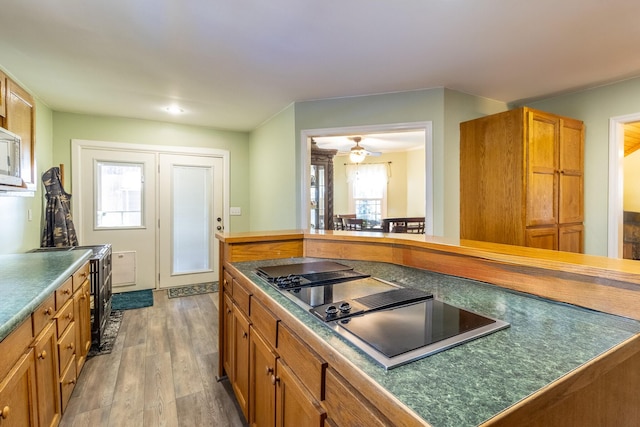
(161,371)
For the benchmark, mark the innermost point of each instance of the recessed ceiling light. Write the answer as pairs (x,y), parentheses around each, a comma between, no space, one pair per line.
(174,109)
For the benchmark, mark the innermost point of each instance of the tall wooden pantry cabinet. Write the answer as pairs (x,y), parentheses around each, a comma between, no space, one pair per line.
(521,180)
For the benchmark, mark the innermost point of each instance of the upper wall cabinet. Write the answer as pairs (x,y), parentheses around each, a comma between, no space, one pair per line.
(19,111)
(521,180)
(3,95)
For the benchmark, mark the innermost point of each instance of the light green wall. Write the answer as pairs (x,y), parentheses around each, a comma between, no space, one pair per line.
(18,233)
(272,169)
(415,166)
(68,126)
(632,182)
(595,107)
(458,107)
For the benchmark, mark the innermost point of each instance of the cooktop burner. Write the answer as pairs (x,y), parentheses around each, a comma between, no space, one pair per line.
(298,275)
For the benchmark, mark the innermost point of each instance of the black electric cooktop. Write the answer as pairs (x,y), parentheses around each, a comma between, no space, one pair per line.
(399,330)
(393,324)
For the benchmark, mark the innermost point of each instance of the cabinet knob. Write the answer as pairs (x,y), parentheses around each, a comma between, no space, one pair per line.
(48,311)
(66,291)
(269,370)
(42,355)
(275,379)
(70,316)
(72,381)
(244,335)
(70,346)
(5,412)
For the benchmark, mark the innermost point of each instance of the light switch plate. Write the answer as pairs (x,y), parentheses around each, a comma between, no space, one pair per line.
(235,210)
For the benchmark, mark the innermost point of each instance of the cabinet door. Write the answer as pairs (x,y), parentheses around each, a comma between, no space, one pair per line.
(227,339)
(20,120)
(571,195)
(3,94)
(18,394)
(571,238)
(542,167)
(82,307)
(45,346)
(542,238)
(295,406)
(263,375)
(240,366)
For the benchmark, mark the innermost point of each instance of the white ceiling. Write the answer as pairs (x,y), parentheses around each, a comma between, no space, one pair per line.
(234,64)
(377,142)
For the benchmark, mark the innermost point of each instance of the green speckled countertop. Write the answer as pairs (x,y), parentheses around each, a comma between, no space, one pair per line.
(26,280)
(468,384)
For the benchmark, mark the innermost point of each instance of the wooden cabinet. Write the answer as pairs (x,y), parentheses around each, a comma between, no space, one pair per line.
(268,391)
(3,96)
(295,405)
(321,188)
(46,354)
(20,119)
(226,333)
(38,365)
(263,372)
(18,394)
(240,365)
(348,407)
(521,180)
(82,307)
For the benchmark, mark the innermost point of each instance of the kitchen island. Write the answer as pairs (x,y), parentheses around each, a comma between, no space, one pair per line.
(558,364)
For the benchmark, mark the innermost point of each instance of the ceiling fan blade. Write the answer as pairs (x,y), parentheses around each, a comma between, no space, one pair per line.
(373,153)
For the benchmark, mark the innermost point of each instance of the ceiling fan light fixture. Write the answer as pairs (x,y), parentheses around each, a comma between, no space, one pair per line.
(357,155)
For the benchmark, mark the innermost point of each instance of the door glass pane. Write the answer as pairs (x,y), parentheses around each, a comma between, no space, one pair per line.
(192,192)
(119,194)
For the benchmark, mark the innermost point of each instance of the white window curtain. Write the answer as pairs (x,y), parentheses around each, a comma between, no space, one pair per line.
(368,181)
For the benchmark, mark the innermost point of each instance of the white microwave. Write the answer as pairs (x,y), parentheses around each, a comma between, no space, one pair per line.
(9,158)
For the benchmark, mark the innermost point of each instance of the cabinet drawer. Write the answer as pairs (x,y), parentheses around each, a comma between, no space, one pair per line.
(264,322)
(346,406)
(67,346)
(241,296)
(226,283)
(67,384)
(80,276)
(43,314)
(303,361)
(63,293)
(14,346)
(64,317)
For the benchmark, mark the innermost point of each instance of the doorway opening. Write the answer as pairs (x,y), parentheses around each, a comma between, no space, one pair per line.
(423,190)
(624,195)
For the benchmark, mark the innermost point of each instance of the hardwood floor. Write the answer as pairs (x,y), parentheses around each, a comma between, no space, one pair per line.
(161,371)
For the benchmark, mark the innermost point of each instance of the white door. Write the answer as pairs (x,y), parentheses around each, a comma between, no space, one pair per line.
(117,200)
(190,213)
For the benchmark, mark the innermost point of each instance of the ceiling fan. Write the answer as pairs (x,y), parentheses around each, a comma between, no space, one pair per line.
(359,153)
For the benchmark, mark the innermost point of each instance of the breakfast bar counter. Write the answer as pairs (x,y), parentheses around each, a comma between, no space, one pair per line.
(559,363)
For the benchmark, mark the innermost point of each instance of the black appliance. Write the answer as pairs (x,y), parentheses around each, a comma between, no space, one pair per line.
(392,324)
(101,289)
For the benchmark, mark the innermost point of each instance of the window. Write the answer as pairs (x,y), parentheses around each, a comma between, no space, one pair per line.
(368,192)
(119,194)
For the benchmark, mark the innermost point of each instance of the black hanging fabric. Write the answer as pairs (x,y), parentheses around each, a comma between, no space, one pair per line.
(59,230)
